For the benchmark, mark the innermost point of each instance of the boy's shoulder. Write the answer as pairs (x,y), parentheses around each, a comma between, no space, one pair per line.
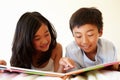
(106,45)
(103,41)
(71,44)
(72,47)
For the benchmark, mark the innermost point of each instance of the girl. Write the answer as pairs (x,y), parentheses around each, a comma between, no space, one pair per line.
(34,44)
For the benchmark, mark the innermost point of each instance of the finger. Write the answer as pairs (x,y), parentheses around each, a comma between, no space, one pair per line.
(63,62)
(69,62)
(2,62)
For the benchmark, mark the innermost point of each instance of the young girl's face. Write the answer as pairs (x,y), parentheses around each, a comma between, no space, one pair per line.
(86,36)
(42,39)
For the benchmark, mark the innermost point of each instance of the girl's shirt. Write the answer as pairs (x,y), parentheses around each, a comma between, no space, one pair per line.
(48,67)
(106,52)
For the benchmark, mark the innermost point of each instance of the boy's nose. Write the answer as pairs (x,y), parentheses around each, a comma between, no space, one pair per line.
(85,40)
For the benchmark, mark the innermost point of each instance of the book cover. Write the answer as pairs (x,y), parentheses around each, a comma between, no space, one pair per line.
(56,74)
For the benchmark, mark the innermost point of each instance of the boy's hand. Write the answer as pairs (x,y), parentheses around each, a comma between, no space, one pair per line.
(67,63)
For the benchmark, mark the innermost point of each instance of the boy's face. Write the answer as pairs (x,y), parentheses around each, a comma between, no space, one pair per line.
(86,36)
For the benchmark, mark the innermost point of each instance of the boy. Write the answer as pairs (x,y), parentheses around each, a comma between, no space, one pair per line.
(88,49)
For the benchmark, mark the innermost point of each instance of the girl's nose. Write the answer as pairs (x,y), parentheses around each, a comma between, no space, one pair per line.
(44,41)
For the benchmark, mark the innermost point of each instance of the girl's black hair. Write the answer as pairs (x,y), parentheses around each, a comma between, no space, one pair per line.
(22,48)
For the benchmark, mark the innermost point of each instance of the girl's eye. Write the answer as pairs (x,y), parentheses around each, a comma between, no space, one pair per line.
(37,38)
(46,35)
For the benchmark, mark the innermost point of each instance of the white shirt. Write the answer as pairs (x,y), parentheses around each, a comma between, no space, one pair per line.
(48,67)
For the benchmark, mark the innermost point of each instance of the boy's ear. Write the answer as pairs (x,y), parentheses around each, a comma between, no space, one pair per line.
(100,32)
(72,34)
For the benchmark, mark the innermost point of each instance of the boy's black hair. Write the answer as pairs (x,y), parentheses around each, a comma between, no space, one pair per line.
(86,16)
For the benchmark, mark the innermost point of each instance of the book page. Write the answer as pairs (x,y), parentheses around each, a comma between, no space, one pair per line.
(56,74)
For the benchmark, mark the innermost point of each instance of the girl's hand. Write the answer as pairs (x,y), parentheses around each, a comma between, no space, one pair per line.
(3,62)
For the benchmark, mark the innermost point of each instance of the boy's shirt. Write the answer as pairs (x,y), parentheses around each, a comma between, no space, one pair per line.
(106,52)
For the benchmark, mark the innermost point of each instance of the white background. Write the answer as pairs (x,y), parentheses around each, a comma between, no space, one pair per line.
(58,12)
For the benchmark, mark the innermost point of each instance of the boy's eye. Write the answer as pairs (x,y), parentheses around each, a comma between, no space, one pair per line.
(78,36)
(90,34)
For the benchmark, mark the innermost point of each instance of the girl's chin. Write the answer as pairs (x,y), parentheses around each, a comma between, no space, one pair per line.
(44,49)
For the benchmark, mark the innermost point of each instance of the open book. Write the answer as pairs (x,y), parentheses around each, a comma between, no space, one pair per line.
(55,74)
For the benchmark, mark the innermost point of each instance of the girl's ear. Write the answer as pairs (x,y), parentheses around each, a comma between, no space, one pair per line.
(100,32)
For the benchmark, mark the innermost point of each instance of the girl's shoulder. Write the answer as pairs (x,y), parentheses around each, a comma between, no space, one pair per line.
(57,50)
(58,46)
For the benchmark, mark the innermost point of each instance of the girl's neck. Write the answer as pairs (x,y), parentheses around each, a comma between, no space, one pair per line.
(35,58)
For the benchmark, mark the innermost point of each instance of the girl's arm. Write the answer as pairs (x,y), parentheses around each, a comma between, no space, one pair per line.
(56,56)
